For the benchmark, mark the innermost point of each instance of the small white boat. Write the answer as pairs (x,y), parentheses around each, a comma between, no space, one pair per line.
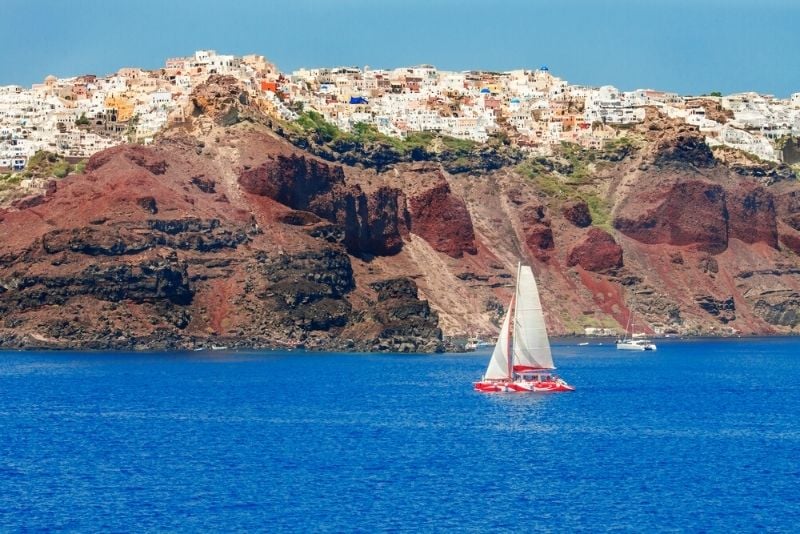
(219,347)
(583,344)
(635,344)
(476,343)
(635,341)
(522,361)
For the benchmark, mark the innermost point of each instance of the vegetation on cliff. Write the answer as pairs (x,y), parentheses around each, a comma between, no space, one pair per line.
(46,164)
(366,146)
(571,174)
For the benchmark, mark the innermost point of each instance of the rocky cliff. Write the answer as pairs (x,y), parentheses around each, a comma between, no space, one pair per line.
(224,232)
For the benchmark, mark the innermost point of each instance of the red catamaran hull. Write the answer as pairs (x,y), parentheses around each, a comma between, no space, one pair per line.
(522,387)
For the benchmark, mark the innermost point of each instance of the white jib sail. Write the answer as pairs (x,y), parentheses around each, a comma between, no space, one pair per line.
(531,345)
(498,365)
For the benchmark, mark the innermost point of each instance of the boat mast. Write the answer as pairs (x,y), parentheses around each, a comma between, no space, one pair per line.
(628,326)
(514,301)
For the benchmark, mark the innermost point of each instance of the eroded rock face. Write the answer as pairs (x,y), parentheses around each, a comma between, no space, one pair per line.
(307,289)
(148,281)
(221,98)
(780,307)
(791,240)
(703,214)
(373,224)
(443,220)
(789,204)
(577,212)
(686,149)
(146,251)
(538,232)
(131,238)
(136,154)
(597,252)
(751,212)
(688,213)
(773,294)
(294,181)
(724,310)
(407,323)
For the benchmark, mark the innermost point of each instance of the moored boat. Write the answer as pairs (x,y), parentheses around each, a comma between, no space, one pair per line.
(522,361)
(634,342)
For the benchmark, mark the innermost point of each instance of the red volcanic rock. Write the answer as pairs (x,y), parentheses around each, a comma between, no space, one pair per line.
(442,219)
(577,212)
(291,180)
(537,231)
(791,241)
(688,213)
(136,154)
(790,209)
(751,214)
(598,251)
(378,226)
(373,224)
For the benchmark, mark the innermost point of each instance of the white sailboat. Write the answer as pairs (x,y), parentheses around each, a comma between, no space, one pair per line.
(633,342)
(522,361)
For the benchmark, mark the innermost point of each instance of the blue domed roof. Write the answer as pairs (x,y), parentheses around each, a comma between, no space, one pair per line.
(544,68)
(485,90)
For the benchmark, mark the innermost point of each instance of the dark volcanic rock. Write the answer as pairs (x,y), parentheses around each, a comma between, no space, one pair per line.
(299,218)
(148,204)
(766,173)
(148,281)
(131,238)
(374,224)
(577,212)
(778,307)
(707,264)
(29,201)
(723,309)
(687,149)
(407,323)
(206,185)
(307,288)
(155,166)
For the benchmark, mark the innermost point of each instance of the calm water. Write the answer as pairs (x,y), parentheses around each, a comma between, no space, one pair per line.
(702,435)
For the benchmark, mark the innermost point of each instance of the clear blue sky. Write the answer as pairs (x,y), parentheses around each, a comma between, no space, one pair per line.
(688,46)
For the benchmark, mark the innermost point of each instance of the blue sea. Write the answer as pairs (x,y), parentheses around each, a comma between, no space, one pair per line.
(702,435)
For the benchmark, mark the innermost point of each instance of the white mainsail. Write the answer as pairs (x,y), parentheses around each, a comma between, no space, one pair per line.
(498,365)
(531,345)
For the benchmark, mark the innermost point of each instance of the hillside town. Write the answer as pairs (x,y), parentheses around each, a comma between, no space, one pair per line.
(78,116)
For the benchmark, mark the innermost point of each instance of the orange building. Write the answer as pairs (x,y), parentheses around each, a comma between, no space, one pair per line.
(122,105)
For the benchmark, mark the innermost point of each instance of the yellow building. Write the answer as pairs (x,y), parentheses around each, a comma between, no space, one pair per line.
(122,105)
